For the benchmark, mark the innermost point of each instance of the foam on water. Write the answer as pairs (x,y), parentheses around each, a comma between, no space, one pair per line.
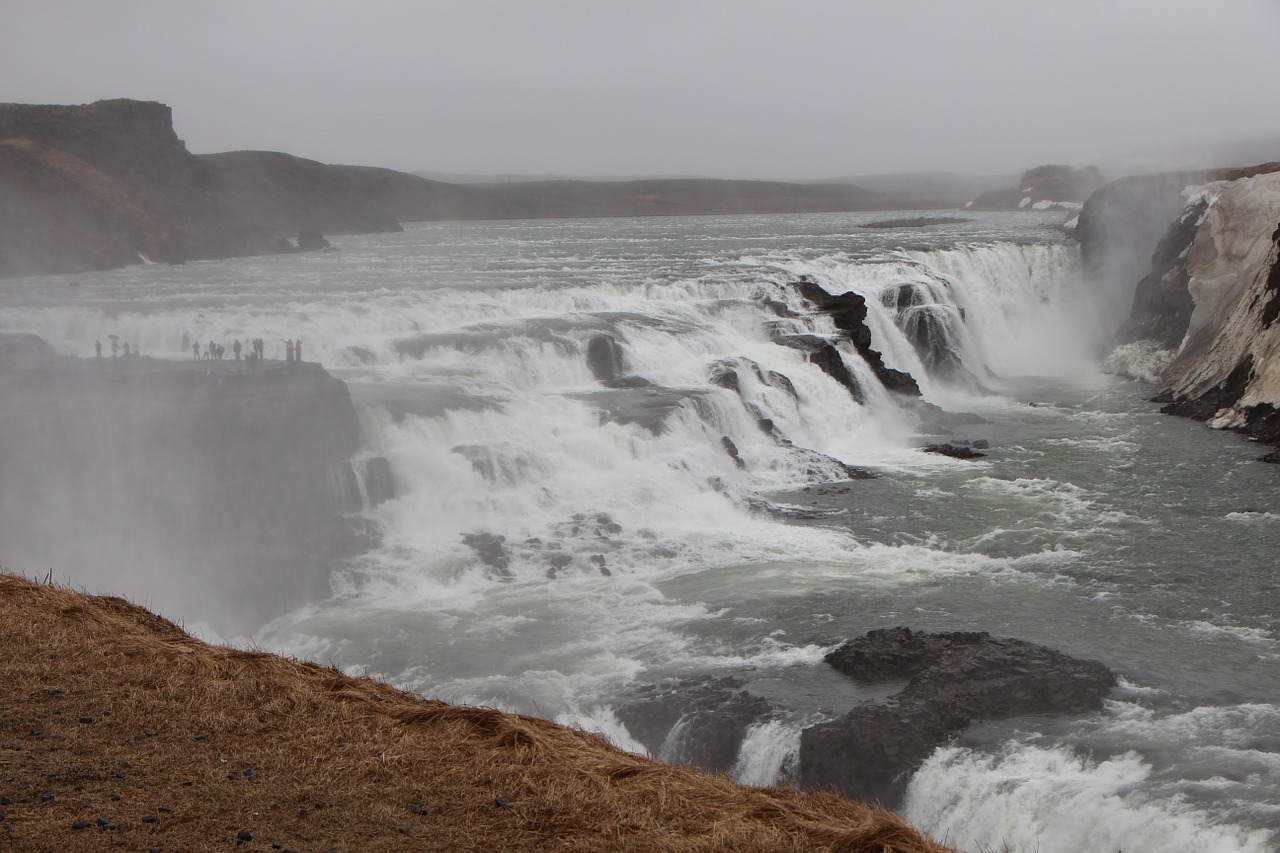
(1055,800)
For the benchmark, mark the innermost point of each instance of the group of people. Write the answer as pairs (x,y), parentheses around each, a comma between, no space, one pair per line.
(214,351)
(115,348)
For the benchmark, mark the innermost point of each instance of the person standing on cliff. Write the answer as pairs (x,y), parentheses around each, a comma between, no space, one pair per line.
(97,347)
(195,350)
(235,348)
(297,350)
(115,348)
(288,350)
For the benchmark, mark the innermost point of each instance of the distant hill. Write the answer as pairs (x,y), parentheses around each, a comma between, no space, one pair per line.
(930,190)
(1043,188)
(108,184)
(671,197)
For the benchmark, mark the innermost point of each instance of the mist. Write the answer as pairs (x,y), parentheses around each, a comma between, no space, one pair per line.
(806,90)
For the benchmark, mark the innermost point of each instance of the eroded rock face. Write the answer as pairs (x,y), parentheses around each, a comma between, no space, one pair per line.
(952,680)
(1233,279)
(1204,317)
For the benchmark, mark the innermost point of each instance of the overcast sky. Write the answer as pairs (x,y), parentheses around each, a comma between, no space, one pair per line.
(789,89)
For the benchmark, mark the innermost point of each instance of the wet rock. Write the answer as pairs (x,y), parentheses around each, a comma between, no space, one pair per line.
(953,680)
(491,550)
(605,357)
(698,721)
(826,357)
(954,450)
(312,241)
(849,313)
(150,818)
(625,382)
(243,836)
(732,449)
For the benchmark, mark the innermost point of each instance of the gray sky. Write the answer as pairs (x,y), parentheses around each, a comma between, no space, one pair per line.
(725,88)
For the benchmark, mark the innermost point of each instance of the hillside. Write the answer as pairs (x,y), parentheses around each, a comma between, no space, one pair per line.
(108,184)
(118,728)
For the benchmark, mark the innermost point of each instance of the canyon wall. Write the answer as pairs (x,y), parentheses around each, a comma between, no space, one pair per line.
(1209,301)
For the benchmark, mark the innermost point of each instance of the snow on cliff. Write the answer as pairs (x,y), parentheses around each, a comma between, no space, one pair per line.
(1234,281)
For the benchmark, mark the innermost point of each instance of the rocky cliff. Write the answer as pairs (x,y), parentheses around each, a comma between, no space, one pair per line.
(95,186)
(105,184)
(218,488)
(1209,299)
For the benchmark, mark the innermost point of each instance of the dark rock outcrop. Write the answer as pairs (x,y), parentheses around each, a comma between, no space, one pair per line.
(953,449)
(490,548)
(824,355)
(952,680)
(313,241)
(215,487)
(605,357)
(849,313)
(698,721)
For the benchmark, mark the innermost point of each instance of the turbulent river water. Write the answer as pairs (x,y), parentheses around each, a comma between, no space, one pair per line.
(635,547)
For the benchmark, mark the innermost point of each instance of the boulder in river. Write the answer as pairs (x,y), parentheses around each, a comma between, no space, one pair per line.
(952,680)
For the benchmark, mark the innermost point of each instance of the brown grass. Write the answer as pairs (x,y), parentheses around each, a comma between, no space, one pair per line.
(112,715)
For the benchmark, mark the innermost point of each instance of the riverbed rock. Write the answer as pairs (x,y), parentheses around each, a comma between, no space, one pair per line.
(955,450)
(605,357)
(951,680)
(699,721)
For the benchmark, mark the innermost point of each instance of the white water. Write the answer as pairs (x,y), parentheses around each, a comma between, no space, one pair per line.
(464,346)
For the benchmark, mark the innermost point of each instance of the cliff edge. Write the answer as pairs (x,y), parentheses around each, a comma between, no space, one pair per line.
(221,488)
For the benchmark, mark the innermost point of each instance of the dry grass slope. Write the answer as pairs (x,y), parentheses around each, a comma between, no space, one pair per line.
(117,730)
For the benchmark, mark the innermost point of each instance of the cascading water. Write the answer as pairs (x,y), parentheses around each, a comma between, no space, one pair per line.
(609,458)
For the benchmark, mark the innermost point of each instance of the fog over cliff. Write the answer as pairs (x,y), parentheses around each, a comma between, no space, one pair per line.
(754,89)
